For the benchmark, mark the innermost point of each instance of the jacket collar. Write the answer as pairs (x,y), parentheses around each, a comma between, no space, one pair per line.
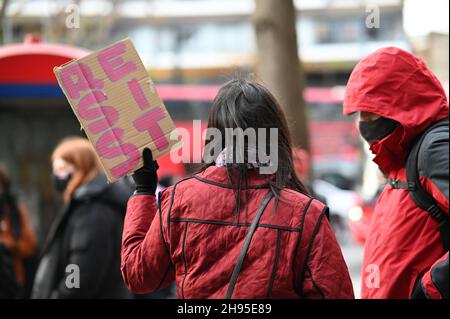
(92,188)
(218,175)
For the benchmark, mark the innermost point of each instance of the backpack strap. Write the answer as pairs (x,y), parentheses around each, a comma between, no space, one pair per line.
(421,197)
(248,239)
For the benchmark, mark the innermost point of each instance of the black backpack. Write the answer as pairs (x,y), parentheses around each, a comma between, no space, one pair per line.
(421,197)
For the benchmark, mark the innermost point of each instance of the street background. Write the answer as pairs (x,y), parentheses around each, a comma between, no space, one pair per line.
(190,48)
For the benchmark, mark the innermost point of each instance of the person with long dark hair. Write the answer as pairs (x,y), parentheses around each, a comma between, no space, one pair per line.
(233,230)
(17,238)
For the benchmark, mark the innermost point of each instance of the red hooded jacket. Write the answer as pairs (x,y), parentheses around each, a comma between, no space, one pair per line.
(403,241)
(195,238)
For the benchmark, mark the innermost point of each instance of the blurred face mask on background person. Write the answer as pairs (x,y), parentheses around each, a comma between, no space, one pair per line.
(60,182)
(61,175)
(376,130)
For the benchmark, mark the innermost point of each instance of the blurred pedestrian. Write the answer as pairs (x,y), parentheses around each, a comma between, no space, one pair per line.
(9,288)
(17,236)
(229,231)
(302,167)
(85,237)
(403,115)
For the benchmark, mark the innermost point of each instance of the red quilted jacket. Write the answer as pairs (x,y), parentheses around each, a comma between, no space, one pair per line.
(194,237)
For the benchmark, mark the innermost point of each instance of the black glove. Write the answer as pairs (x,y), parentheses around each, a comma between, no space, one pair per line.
(146,178)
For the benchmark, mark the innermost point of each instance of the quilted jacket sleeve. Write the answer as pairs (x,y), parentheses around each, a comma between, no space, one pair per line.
(146,264)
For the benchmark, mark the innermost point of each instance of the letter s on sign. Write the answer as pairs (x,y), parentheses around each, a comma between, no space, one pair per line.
(109,146)
(88,109)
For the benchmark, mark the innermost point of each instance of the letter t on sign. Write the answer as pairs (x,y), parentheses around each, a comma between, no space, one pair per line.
(149,122)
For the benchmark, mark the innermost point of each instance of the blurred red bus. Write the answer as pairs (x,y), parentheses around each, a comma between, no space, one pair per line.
(27,83)
(334,138)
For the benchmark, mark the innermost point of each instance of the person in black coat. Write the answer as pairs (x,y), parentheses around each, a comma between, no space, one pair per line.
(8,287)
(81,257)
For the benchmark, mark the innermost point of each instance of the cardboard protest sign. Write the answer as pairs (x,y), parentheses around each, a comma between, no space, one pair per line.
(118,107)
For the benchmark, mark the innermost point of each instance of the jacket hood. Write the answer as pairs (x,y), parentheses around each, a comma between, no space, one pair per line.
(397,85)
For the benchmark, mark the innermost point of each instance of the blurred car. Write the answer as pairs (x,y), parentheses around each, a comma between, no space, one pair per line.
(359,218)
(340,202)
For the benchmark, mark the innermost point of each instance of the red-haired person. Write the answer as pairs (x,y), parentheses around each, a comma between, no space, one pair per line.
(81,258)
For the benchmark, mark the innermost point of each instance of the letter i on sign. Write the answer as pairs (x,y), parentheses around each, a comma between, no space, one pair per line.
(148,122)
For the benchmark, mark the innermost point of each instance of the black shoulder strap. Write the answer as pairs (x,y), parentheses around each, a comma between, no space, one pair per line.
(248,239)
(421,197)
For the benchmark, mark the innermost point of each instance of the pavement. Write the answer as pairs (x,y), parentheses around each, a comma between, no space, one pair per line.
(353,254)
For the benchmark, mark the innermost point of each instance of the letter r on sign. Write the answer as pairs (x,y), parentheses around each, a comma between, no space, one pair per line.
(78,77)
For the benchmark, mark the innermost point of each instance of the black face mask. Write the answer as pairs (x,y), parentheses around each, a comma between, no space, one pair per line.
(59,183)
(376,130)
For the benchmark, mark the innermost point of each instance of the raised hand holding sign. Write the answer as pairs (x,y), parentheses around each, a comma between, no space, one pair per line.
(118,107)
